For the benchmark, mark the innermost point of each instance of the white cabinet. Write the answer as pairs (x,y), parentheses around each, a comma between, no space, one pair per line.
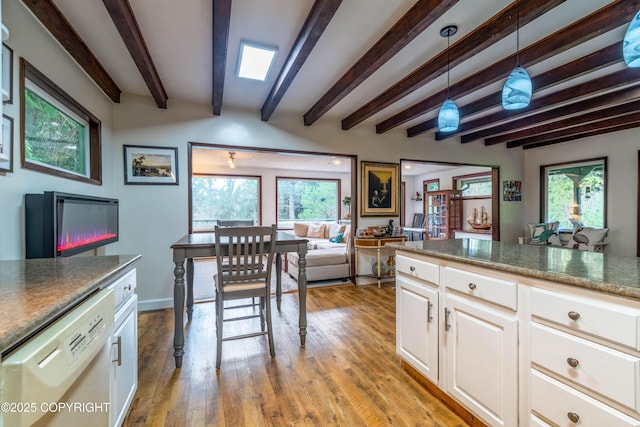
(481,343)
(417,324)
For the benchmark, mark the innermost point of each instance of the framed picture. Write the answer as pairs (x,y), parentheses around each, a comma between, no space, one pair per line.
(6,146)
(380,189)
(512,191)
(144,165)
(7,73)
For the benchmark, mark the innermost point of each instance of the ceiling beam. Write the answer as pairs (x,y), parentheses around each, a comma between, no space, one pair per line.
(490,32)
(617,97)
(588,63)
(55,22)
(601,131)
(587,28)
(591,126)
(125,21)
(421,15)
(319,17)
(221,23)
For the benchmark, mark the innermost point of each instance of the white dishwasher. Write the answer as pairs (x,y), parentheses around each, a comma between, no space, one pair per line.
(60,377)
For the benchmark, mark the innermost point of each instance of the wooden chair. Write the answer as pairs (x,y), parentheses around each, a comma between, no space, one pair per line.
(244,273)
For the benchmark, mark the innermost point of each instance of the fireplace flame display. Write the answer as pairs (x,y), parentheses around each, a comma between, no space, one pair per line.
(76,240)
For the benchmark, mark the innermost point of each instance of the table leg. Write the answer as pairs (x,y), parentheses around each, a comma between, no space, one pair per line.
(189,289)
(378,258)
(178,311)
(278,280)
(302,296)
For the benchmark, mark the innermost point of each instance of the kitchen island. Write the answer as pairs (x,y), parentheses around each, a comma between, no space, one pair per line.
(521,335)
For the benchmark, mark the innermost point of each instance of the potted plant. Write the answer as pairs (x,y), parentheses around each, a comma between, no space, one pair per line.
(347,202)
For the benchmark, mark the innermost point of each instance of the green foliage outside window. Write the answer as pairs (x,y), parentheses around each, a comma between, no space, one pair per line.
(52,137)
(308,200)
(224,198)
(475,187)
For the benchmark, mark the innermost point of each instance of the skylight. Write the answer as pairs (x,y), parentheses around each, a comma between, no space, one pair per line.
(255,60)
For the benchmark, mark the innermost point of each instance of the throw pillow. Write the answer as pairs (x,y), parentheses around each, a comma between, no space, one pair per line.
(337,238)
(540,233)
(589,236)
(300,230)
(333,228)
(316,230)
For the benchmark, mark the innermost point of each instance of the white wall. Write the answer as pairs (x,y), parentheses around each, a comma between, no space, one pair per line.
(29,40)
(621,149)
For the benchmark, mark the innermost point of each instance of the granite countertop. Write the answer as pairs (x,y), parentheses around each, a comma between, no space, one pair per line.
(35,292)
(602,272)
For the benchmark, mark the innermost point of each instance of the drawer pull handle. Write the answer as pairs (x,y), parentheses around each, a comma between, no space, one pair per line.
(128,287)
(573,417)
(429,312)
(472,286)
(573,362)
(447,325)
(574,315)
(412,268)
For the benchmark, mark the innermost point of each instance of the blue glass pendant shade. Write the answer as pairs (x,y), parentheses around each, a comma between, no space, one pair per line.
(517,90)
(631,43)
(449,116)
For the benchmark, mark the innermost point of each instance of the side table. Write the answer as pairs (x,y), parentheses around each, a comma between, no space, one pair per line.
(376,243)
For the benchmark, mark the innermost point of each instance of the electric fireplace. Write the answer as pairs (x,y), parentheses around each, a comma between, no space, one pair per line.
(60,224)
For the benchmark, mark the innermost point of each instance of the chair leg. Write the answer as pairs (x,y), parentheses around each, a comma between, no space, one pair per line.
(272,349)
(219,322)
(261,308)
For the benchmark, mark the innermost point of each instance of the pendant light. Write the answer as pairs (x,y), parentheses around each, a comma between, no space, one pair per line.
(517,90)
(631,43)
(449,116)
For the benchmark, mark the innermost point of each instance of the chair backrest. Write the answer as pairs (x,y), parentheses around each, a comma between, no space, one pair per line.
(245,249)
(418,221)
(235,223)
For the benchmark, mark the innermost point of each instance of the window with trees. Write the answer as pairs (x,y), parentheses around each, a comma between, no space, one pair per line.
(224,197)
(431,184)
(474,185)
(302,199)
(60,136)
(575,193)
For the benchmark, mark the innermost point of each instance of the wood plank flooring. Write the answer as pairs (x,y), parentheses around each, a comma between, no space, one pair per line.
(347,375)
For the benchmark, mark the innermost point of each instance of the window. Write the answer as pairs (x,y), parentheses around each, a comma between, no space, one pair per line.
(431,184)
(307,199)
(474,185)
(60,136)
(223,197)
(574,193)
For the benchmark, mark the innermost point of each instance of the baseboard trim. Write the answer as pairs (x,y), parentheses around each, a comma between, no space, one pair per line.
(155,304)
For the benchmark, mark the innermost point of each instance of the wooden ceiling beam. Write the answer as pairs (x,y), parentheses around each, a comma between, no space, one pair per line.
(588,63)
(602,20)
(620,96)
(221,23)
(490,32)
(55,22)
(600,131)
(319,17)
(590,126)
(415,21)
(127,25)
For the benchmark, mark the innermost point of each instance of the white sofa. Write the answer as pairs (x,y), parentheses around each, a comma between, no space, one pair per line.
(327,258)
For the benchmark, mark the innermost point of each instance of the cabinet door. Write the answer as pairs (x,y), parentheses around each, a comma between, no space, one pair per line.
(482,359)
(124,365)
(417,326)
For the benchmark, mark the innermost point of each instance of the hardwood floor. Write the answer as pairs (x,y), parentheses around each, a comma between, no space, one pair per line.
(347,375)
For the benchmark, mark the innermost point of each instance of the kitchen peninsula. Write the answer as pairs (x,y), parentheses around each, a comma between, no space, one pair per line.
(521,335)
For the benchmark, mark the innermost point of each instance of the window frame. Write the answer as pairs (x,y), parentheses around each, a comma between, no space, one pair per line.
(257,178)
(489,177)
(94,132)
(427,182)
(543,186)
(338,183)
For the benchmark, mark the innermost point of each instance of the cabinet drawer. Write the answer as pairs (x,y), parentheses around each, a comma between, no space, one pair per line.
(492,289)
(557,402)
(124,287)
(614,322)
(419,269)
(608,372)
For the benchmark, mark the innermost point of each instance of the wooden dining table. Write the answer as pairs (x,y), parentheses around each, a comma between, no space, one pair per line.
(200,245)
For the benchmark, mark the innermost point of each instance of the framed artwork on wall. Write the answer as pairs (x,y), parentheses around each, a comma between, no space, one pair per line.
(144,165)
(7,74)
(380,189)
(6,147)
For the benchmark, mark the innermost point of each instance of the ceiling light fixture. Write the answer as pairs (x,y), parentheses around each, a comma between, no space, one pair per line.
(631,43)
(254,60)
(232,159)
(517,90)
(449,116)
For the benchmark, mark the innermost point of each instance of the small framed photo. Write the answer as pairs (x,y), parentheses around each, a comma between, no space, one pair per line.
(144,165)
(7,74)
(380,188)
(6,146)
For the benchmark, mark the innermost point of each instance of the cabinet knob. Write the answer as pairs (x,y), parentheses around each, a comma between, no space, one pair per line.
(128,287)
(412,268)
(472,286)
(573,315)
(573,417)
(573,362)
